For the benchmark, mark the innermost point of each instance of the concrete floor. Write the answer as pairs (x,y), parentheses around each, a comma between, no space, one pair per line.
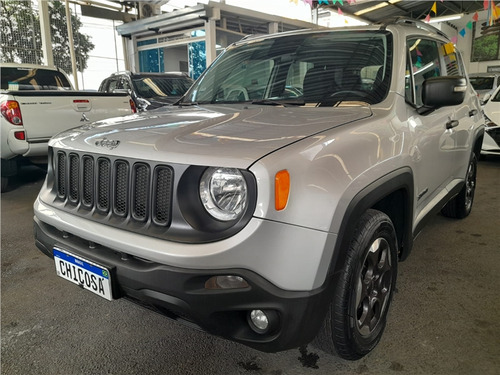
(443,320)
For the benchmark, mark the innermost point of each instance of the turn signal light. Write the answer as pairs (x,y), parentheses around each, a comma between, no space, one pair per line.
(281,189)
(11,112)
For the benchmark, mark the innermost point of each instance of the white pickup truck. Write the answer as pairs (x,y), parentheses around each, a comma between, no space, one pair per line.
(37,102)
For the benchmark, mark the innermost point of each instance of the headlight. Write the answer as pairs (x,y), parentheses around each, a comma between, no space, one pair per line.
(223,192)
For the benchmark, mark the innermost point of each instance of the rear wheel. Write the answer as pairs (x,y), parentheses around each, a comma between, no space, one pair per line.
(461,205)
(357,315)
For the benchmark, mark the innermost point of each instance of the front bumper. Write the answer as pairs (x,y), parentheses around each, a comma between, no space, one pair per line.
(180,294)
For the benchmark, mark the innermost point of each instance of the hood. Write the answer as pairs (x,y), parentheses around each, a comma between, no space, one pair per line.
(230,135)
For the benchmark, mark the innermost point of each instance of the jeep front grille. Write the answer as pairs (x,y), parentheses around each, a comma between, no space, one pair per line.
(126,190)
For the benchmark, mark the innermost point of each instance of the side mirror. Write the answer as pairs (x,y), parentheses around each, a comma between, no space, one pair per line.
(485,98)
(142,103)
(443,91)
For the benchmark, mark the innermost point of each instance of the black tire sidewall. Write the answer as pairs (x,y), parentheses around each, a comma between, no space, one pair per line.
(373,225)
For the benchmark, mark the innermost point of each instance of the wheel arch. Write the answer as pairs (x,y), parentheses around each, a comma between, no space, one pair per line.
(392,194)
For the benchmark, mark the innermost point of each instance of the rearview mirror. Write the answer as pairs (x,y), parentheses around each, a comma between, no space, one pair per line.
(443,91)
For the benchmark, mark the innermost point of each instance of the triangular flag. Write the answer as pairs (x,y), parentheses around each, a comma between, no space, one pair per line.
(322,1)
(462,33)
(419,53)
(469,25)
(454,39)
(310,2)
(475,17)
(496,12)
(486,4)
(340,12)
(434,8)
(428,18)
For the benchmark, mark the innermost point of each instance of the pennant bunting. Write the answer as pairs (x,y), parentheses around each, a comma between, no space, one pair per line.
(310,2)
(486,4)
(337,1)
(322,2)
(428,18)
(434,8)
(340,12)
(469,25)
(475,17)
(454,39)
(462,33)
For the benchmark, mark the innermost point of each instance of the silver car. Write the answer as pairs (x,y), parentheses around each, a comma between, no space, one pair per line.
(272,204)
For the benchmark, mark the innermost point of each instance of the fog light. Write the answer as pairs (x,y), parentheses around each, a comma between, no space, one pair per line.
(259,321)
(226,282)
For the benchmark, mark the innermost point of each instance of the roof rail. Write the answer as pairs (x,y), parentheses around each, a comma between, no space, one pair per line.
(409,21)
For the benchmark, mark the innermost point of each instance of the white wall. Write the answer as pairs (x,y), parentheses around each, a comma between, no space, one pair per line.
(172,56)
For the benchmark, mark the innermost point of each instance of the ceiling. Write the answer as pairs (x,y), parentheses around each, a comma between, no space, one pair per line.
(405,8)
(362,9)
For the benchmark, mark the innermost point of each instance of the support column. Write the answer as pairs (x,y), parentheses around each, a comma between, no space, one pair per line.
(43,11)
(71,44)
(210,41)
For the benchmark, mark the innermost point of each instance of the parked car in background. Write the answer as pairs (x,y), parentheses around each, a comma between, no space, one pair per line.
(36,103)
(149,90)
(484,83)
(491,109)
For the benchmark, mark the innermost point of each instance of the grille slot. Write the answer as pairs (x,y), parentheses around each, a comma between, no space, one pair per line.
(121,188)
(88,182)
(103,184)
(74,174)
(61,175)
(137,192)
(162,195)
(141,191)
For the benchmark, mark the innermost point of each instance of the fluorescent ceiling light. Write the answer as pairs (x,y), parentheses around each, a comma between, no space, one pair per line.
(375,7)
(446,18)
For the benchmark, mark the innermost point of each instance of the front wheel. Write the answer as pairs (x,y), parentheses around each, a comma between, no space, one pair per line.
(461,205)
(357,315)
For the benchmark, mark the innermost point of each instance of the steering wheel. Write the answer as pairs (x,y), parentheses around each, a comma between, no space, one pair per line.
(235,92)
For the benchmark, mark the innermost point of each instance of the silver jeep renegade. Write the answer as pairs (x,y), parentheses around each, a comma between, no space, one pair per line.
(272,203)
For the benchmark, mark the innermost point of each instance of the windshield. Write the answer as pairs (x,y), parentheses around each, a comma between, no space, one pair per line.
(482,83)
(323,67)
(151,87)
(33,79)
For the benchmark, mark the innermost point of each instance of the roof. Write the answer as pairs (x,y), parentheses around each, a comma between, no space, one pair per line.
(378,11)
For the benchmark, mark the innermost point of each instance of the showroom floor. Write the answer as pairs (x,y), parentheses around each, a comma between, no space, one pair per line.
(444,317)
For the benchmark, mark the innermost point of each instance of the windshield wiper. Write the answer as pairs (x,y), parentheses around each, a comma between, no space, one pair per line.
(283,102)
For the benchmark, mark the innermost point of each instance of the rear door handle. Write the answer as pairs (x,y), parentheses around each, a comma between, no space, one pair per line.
(451,124)
(472,113)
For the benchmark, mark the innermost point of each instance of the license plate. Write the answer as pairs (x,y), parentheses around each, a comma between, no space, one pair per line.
(84,273)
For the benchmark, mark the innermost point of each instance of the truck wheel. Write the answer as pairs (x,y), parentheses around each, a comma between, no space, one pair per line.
(357,315)
(461,205)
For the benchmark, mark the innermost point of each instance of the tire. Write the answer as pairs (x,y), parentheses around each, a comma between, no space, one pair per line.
(357,314)
(460,206)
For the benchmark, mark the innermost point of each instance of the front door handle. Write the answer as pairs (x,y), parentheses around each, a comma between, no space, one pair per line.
(472,113)
(451,124)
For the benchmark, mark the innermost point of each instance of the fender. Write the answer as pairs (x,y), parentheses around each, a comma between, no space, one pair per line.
(381,195)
